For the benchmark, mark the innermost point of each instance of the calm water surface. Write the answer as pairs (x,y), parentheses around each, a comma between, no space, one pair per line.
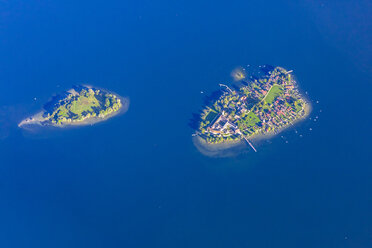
(137,180)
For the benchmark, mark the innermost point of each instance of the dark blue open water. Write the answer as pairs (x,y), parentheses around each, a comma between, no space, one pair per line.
(137,180)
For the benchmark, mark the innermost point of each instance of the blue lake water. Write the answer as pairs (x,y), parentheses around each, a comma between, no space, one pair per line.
(137,180)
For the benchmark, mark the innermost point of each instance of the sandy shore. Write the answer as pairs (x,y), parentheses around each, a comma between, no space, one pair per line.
(38,118)
(224,149)
(229,148)
(269,135)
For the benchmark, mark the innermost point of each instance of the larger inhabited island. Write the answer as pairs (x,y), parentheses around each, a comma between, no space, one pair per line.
(262,105)
(81,105)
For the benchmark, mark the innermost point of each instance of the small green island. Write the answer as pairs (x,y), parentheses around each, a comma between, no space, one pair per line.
(81,105)
(262,105)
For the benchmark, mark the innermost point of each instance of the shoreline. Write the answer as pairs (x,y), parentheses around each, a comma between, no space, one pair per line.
(224,149)
(201,143)
(227,131)
(269,135)
(38,119)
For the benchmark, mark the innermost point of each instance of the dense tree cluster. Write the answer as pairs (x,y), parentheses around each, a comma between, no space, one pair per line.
(84,104)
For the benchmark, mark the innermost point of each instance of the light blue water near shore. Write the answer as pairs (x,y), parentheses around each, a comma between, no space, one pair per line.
(137,180)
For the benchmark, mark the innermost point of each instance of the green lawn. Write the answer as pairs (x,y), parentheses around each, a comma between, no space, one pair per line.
(84,104)
(274,92)
(251,119)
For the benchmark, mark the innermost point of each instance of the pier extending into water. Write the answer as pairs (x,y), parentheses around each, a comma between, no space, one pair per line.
(249,143)
(227,87)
